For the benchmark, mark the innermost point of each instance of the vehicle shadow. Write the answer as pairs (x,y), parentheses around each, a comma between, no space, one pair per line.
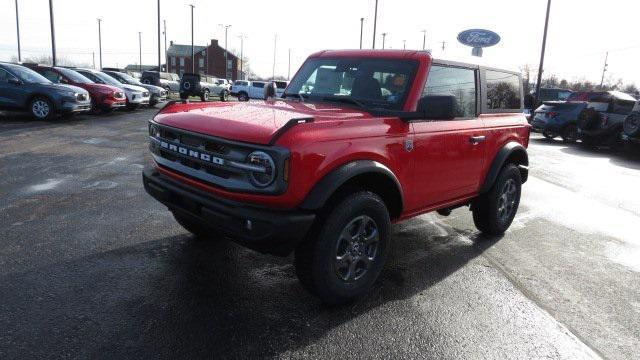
(180,297)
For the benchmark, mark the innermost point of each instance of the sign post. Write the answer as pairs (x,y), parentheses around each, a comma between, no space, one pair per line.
(478,39)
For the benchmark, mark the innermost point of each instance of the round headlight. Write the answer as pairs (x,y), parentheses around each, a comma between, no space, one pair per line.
(264,161)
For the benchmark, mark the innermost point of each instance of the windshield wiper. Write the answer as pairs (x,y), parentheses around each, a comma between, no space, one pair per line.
(347,100)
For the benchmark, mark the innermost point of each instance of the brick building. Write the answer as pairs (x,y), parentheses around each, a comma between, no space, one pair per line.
(209,60)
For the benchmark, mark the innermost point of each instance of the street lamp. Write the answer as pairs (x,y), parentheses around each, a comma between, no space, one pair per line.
(361,27)
(241,56)
(100,41)
(166,57)
(226,61)
(275,41)
(424,39)
(18,30)
(384,35)
(53,34)
(193,60)
(140,49)
(544,45)
(375,21)
(404,44)
(159,48)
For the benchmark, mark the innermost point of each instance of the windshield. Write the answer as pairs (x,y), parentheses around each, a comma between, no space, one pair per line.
(74,76)
(372,83)
(124,78)
(105,79)
(28,75)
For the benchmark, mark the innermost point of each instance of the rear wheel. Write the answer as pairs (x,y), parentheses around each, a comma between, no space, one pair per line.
(224,95)
(494,211)
(41,108)
(632,125)
(184,96)
(548,135)
(344,259)
(570,133)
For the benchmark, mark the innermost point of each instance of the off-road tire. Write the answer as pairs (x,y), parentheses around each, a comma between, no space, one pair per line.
(316,258)
(486,208)
(204,96)
(199,231)
(632,125)
(224,95)
(548,135)
(41,108)
(184,96)
(570,133)
(243,96)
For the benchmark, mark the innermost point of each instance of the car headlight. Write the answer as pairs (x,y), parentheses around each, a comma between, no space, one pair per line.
(154,131)
(267,174)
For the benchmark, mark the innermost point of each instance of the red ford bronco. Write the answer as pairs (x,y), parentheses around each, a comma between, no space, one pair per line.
(358,141)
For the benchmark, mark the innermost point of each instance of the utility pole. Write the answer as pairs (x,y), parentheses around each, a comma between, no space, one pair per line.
(443,45)
(404,44)
(424,39)
(140,48)
(226,61)
(275,41)
(361,28)
(544,45)
(53,34)
(241,77)
(159,47)
(166,57)
(93,57)
(375,21)
(384,35)
(289,71)
(18,30)
(100,42)
(193,60)
(604,69)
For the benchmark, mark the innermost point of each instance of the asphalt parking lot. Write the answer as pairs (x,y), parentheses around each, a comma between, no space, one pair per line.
(92,267)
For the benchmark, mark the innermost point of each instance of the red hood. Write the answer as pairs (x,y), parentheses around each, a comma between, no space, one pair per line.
(254,122)
(101,88)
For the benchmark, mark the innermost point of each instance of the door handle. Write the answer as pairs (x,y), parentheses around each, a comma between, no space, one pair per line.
(475,140)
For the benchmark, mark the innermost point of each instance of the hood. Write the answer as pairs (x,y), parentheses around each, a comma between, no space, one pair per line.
(103,88)
(63,87)
(151,88)
(133,88)
(254,122)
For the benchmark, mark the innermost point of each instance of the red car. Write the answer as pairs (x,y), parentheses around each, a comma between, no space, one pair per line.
(361,139)
(103,97)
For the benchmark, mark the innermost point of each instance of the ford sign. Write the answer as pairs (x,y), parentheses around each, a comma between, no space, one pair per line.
(478,38)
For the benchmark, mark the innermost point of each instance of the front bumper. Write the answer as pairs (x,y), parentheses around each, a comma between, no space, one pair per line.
(113,104)
(75,107)
(138,100)
(266,230)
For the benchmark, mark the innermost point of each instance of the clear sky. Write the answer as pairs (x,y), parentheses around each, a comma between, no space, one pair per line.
(580,31)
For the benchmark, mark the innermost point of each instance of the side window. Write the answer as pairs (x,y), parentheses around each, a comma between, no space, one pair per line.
(258,85)
(622,107)
(457,82)
(5,76)
(51,76)
(503,90)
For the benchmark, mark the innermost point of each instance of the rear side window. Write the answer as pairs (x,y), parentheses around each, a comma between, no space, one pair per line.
(623,107)
(457,82)
(503,90)
(258,85)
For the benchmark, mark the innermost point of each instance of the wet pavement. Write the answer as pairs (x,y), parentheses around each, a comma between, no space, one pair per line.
(92,267)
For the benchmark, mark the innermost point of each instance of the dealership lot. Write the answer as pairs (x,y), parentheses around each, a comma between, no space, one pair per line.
(91,266)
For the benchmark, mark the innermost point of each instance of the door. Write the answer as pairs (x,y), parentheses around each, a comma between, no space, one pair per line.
(449,154)
(256,90)
(12,93)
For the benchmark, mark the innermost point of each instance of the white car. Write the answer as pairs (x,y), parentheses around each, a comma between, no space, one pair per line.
(246,90)
(136,95)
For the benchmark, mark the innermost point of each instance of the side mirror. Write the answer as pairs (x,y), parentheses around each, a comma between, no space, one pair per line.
(438,107)
(14,81)
(269,90)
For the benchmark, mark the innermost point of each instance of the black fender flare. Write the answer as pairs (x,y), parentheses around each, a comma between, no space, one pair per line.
(511,150)
(326,187)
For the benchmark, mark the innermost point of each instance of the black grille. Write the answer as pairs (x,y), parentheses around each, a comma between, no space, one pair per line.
(194,141)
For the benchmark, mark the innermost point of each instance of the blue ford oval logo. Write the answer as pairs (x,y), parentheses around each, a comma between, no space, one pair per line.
(478,38)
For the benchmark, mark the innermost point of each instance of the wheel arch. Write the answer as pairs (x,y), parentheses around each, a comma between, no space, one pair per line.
(511,153)
(356,176)
(42,95)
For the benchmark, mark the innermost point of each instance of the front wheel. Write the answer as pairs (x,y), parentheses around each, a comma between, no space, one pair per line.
(494,211)
(205,96)
(223,95)
(41,108)
(343,260)
(243,96)
(548,134)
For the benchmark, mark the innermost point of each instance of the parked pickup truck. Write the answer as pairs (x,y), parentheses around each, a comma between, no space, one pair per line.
(360,140)
(202,86)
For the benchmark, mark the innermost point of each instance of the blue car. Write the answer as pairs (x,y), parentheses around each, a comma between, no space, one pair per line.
(24,89)
(558,118)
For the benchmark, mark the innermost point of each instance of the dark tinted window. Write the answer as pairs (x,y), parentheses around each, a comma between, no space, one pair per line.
(622,107)
(51,76)
(503,90)
(457,82)
(5,76)
(258,85)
